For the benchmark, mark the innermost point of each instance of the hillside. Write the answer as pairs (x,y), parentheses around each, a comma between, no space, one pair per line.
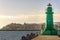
(26,26)
(15,26)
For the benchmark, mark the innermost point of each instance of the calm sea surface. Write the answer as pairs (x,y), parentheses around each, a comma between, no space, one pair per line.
(15,35)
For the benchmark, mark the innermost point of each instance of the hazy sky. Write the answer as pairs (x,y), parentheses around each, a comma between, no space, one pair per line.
(29,11)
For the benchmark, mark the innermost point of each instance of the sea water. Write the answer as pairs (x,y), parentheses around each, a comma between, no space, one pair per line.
(15,35)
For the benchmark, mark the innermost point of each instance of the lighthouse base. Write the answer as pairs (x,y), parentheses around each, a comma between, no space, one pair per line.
(49,32)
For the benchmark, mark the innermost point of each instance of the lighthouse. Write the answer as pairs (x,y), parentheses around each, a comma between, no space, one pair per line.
(49,25)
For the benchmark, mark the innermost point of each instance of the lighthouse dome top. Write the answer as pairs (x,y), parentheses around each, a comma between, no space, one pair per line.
(49,4)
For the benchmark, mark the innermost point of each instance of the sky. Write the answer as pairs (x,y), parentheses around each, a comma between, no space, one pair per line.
(28,11)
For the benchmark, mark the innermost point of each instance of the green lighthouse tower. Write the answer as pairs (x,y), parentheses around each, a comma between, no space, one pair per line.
(49,26)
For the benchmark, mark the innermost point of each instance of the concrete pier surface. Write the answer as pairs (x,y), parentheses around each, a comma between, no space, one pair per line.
(46,37)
